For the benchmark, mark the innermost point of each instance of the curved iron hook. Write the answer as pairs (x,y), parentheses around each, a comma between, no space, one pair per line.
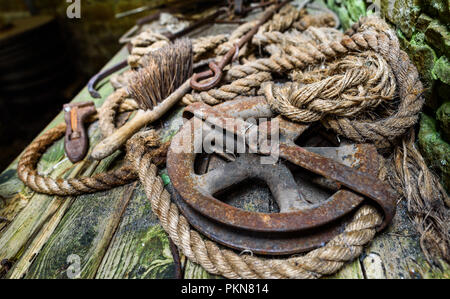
(102,75)
(214,74)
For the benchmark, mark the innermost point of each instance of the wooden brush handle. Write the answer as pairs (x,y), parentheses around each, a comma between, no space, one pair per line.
(110,144)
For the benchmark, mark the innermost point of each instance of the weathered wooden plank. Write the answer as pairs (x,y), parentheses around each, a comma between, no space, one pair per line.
(43,234)
(140,247)
(37,221)
(26,259)
(32,217)
(12,200)
(394,253)
(40,210)
(373,266)
(14,196)
(352,270)
(194,271)
(84,232)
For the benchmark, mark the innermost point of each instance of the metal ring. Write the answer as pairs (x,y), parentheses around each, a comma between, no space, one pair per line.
(214,74)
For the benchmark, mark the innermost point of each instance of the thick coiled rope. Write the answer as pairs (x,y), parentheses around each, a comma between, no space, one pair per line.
(360,82)
(370,38)
(107,113)
(27,168)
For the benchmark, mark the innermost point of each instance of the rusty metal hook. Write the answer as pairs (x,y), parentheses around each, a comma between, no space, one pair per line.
(213,73)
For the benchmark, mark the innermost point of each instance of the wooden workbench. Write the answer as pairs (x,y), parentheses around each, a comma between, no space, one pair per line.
(114,234)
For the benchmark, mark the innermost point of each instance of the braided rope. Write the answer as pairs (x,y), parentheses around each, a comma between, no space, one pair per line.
(322,261)
(27,172)
(358,88)
(294,50)
(373,35)
(205,45)
(242,86)
(234,37)
(144,43)
(283,20)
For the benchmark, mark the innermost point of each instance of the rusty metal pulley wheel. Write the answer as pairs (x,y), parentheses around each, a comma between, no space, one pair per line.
(302,222)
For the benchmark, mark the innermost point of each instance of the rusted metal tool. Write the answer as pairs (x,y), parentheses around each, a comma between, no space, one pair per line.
(213,76)
(76,142)
(302,222)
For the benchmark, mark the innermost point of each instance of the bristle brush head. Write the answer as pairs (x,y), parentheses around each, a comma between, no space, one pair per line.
(163,71)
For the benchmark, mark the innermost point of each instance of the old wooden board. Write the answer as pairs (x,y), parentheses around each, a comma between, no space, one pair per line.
(114,234)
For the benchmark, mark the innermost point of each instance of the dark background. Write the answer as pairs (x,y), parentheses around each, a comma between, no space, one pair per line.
(47,58)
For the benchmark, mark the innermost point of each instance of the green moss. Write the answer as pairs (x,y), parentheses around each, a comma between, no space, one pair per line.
(438,36)
(439,9)
(422,22)
(356,9)
(443,118)
(435,150)
(344,17)
(155,257)
(441,70)
(402,13)
(348,12)
(423,57)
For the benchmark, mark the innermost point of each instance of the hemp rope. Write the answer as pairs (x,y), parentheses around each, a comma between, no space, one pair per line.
(426,199)
(243,86)
(107,112)
(381,132)
(362,81)
(325,260)
(205,45)
(319,34)
(244,77)
(28,173)
(234,37)
(284,19)
(144,43)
